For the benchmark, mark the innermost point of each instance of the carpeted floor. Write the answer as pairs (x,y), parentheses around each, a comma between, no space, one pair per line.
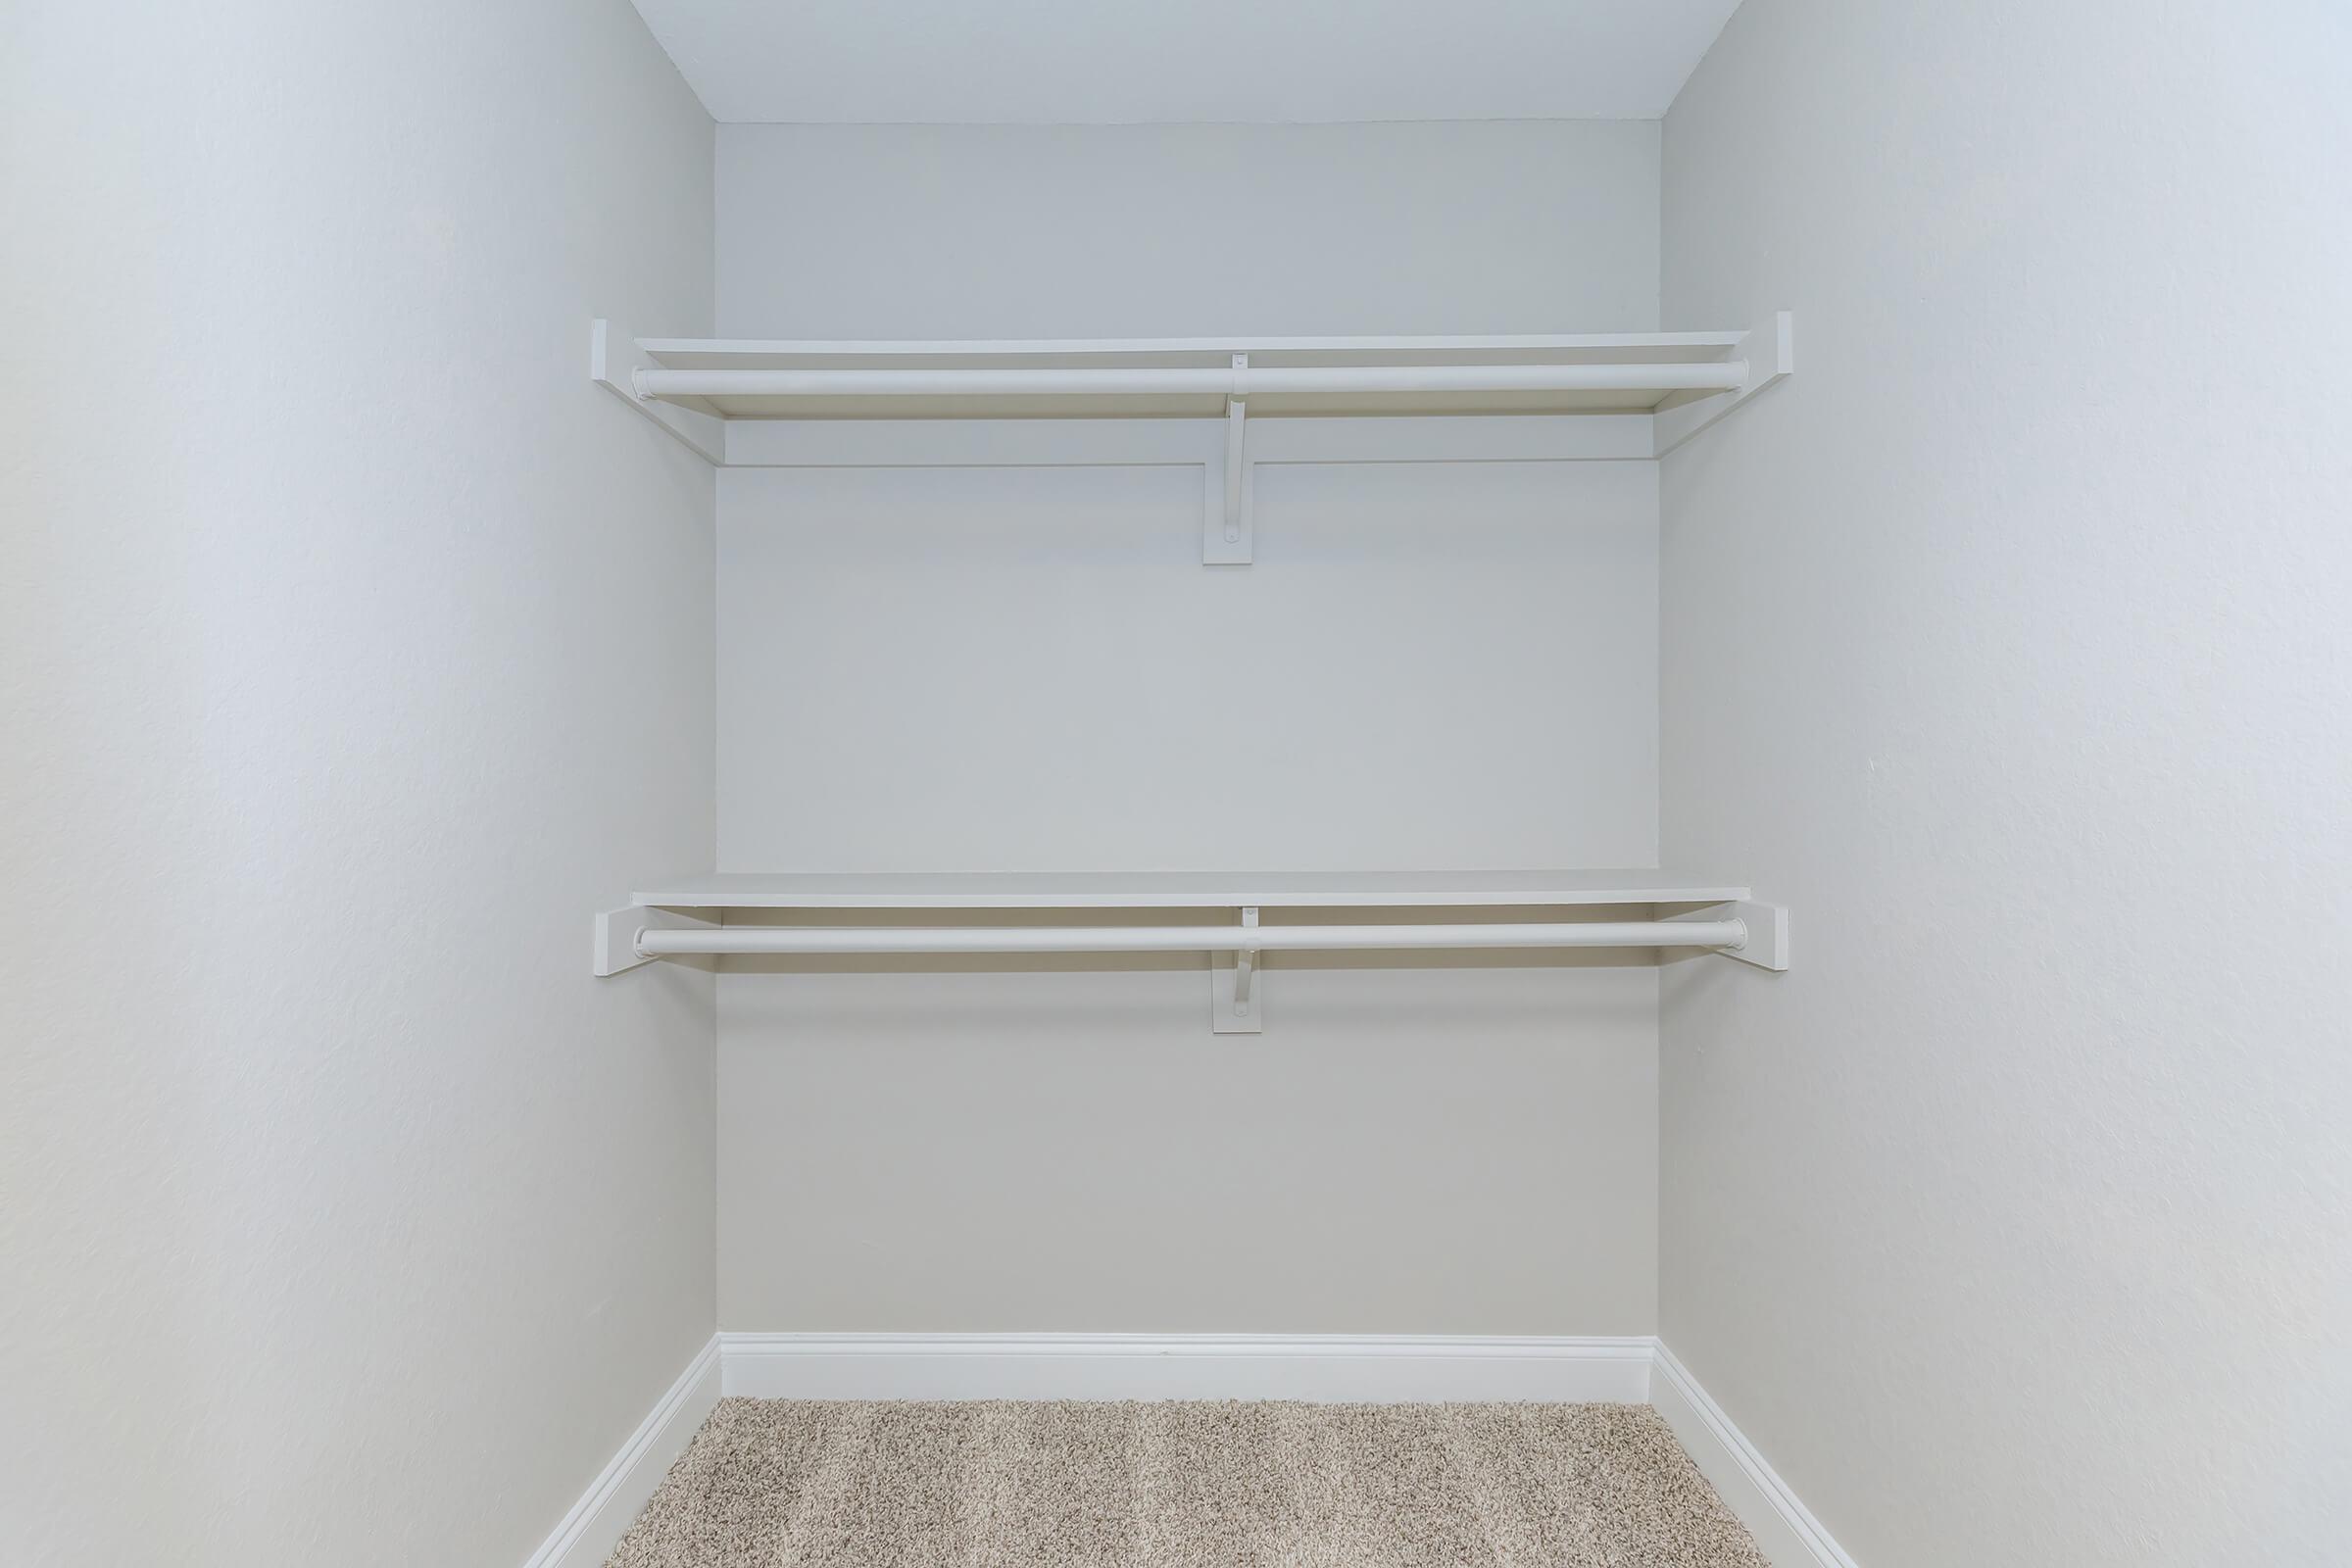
(1045,1484)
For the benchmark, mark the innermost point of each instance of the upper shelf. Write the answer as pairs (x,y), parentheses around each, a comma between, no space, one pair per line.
(1180,889)
(1190,377)
(694,386)
(687,917)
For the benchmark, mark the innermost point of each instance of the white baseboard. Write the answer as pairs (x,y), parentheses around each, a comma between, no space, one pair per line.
(588,1533)
(1785,1531)
(1372,1368)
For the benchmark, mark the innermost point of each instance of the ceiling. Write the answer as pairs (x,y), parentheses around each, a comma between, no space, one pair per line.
(1125,62)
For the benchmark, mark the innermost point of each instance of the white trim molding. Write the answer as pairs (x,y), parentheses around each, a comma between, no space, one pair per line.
(1785,1531)
(589,1532)
(1372,1368)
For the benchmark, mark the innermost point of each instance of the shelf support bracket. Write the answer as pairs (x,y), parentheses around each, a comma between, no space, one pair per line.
(1235,999)
(616,931)
(1226,537)
(1770,353)
(1767,944)
(614,361)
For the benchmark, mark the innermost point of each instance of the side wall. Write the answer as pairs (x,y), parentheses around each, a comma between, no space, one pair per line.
(353,648)
(1029,668)
(2008,643)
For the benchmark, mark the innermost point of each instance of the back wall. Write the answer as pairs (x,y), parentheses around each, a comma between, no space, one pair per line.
(1028,668)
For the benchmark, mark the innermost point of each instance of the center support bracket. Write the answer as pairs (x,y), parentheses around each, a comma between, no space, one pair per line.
(1226,537)
(1236,990)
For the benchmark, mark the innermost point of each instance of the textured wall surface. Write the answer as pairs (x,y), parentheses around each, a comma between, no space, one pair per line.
(945,231)
(978,669)
(1029,668)
(353,648)
(2008,643)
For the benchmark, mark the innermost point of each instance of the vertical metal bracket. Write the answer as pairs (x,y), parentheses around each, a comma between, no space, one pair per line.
(1226,540)
(1237,1001)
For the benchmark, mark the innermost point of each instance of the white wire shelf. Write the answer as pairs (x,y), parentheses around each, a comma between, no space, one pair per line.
(1182,890)
(698,387)
(1189,378)
(687,917)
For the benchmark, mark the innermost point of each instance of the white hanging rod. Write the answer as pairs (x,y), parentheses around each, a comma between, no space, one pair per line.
(654,943)
(1713,376)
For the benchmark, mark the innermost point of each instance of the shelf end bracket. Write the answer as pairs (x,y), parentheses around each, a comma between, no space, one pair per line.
(1767,944)
(614,361)
(615,934)
(1770,352)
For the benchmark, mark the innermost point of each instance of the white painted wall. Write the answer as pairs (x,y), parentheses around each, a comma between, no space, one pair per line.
(2008,643)
(1029,668)
(943,231)
(1075,63)
(353,648)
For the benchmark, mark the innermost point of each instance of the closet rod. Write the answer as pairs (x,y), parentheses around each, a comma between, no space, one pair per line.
(656,944)
(1711,377)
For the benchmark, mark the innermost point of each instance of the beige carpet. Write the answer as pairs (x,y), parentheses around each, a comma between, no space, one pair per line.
(993,1484)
